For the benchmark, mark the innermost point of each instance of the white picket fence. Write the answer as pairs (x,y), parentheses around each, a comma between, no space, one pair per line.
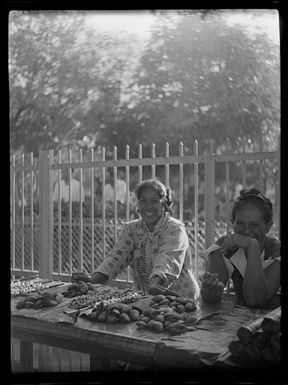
(40,245)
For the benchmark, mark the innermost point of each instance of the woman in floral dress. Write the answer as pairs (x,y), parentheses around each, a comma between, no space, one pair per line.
(156,246)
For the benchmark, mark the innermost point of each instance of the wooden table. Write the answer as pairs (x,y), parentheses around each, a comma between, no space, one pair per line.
(125,342)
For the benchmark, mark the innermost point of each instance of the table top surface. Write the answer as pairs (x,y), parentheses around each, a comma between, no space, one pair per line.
(201,346)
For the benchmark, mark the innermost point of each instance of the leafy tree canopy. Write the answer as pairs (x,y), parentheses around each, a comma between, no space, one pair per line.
(197,78)
(200,78)
(65,79)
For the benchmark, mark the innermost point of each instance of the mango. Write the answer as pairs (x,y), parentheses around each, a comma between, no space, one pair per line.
(158,298)
(156,326)
(180,309)
(141,325)
(124,308)
(172,316)
(160,318)
(144,319)
(165,309)
(111,319)
(190,307)
(163,302)
(134,315)
(124,318)
(92,316)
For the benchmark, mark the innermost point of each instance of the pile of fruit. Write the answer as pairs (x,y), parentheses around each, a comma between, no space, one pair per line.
(106,295)
(165,313)
(168,313)
(37,301)
(177,304)
(113,313)
(27,286)
(77,289)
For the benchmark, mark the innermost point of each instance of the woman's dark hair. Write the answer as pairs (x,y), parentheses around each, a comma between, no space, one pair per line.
(162,191)
(254,197)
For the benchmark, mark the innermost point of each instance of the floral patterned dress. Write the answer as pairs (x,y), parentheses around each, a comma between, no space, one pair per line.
(165,252)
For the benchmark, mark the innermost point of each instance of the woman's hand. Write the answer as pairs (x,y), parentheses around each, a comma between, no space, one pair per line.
(212,288)
(236,241)
(80,276)
(155,281)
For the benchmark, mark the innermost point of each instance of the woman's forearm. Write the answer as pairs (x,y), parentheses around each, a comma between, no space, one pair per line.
(216,264)
(255,289)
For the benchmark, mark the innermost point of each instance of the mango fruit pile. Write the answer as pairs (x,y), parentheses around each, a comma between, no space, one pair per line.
(38,301)
(114,313)
(168,313)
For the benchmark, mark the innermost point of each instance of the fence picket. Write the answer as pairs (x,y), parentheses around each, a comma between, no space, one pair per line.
(46,214)
(227,205)
(127,181)
(153,156)
(140,171)
(115,194)
(181,182)
(209,196)
(92,211)
(22,215)
(167,176)
(13,190)
(243,173)
(103,202)
(59,216)
(261,175)
(277,194)
(196,203)
(227,183)
(81,214)
(31,212)
(70,214)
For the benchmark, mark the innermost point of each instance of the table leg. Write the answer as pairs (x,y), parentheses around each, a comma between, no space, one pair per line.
(26,356)
(99,364)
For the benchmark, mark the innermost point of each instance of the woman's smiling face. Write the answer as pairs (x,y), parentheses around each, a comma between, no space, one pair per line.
(150,207)
(249,221)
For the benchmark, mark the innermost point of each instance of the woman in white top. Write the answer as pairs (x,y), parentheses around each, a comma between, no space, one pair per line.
(248,256)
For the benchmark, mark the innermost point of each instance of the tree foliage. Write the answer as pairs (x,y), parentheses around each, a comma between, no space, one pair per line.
(197,78)
(64,80)
(200,79)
